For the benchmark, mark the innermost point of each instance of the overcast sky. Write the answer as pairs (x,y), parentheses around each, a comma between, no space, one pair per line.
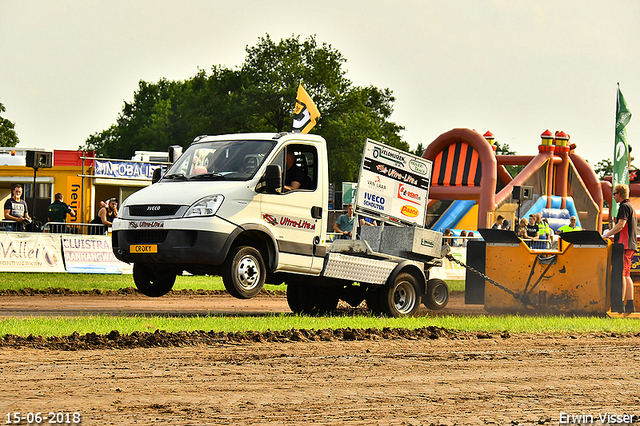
(516,68)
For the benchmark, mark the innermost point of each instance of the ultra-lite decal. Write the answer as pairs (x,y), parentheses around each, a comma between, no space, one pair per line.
(289,222)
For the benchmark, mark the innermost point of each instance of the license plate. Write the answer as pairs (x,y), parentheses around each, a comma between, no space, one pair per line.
(143,248)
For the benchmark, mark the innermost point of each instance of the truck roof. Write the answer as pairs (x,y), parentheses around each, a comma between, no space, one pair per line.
(258,136)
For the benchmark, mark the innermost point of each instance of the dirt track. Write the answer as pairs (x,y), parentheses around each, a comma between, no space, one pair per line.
(435,378)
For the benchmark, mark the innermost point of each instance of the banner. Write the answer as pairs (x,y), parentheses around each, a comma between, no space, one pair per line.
(393,184)
(73,197)
(621,147)
(124,169)
(349,193)
(305,112)
(92,254)
(27,252)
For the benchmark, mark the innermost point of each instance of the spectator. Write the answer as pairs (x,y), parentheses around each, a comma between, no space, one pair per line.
(544,230)
(58,211)
(572,226)
(15,209)
(498,223)
(105,216)
(448,238)
(463,234)
(522,229)
(345,223)
(533,232)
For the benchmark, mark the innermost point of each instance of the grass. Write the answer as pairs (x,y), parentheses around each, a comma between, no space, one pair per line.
(59,326)
(80,282)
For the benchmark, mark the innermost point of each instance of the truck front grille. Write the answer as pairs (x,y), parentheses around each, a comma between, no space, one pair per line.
(147,236)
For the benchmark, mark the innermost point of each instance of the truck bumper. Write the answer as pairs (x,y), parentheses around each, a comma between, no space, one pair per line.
(172,246)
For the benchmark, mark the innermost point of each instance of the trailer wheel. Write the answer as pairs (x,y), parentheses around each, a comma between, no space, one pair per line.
(402,298)
(311,300)
(437,295)
(152,283)
(243,272)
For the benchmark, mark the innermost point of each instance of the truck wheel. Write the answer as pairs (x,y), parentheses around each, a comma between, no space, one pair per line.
(150,283)
(243,272)
(310,300)
(437,295)
(402,298)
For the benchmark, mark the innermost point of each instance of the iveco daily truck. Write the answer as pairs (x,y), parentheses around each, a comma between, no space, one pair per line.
(222,208)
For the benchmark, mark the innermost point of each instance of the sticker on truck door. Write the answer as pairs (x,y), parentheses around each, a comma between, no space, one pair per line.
(289,222)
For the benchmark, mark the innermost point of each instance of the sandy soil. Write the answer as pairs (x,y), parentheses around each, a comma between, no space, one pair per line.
(518,380)
(432,378)
(172,304)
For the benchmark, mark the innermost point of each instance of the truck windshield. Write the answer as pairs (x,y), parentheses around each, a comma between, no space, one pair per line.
(220,160)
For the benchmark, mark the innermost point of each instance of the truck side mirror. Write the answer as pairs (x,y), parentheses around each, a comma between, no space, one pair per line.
(157,174)
(271,181)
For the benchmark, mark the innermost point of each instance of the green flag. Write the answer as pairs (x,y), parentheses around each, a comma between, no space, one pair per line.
(621,148)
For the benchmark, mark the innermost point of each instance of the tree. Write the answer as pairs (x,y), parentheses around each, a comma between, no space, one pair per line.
(420,149)
(604,168)
(8,136)
(505,149)
(259,96)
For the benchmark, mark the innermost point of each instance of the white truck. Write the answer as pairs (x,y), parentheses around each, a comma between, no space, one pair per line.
(224,208)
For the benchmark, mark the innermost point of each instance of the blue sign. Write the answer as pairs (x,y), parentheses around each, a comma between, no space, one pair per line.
(124,169)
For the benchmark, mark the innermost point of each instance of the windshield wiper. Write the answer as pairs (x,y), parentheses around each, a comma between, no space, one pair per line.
(179,176)
(207,176)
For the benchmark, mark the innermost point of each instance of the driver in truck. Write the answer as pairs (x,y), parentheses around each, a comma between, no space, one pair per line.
(294,176)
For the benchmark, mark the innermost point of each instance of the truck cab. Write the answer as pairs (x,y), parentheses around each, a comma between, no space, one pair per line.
(228,206)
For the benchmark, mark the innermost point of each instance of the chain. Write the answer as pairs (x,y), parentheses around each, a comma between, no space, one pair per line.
(521,297)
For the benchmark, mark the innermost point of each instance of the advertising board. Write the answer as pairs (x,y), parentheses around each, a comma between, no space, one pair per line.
(393,185)
(27,252)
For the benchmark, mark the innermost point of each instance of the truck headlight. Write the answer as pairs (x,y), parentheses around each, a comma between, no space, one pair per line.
(207,206)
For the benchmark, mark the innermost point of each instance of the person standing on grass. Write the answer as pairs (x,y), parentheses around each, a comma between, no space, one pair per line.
(624,232)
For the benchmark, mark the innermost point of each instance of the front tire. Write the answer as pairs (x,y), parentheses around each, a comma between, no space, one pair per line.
(153,283)
(244,272)
(401,299)
(437,295)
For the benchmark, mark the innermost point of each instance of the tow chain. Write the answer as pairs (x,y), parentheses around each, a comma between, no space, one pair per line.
(521,297)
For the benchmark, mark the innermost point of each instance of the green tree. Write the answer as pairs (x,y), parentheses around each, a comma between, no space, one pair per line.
(259,96)
(419,150)
(604,168)
(505,149)
(8,136)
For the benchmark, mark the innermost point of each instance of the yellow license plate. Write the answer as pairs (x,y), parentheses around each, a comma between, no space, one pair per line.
(143,248)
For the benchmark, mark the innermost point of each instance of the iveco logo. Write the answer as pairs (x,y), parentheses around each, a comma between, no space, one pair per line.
(153,208)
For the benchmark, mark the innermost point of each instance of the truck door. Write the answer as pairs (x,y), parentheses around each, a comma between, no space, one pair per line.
(295,214)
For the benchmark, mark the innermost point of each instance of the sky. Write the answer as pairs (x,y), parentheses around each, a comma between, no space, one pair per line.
(513,67)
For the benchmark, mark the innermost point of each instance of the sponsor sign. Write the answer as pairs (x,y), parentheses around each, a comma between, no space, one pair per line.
(349,192)
(281,221)
(124,169)
(393,184)
(92,254)
(73,197)
(26,252)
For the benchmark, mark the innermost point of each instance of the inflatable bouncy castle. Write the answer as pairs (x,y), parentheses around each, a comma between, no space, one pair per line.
(471,184)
